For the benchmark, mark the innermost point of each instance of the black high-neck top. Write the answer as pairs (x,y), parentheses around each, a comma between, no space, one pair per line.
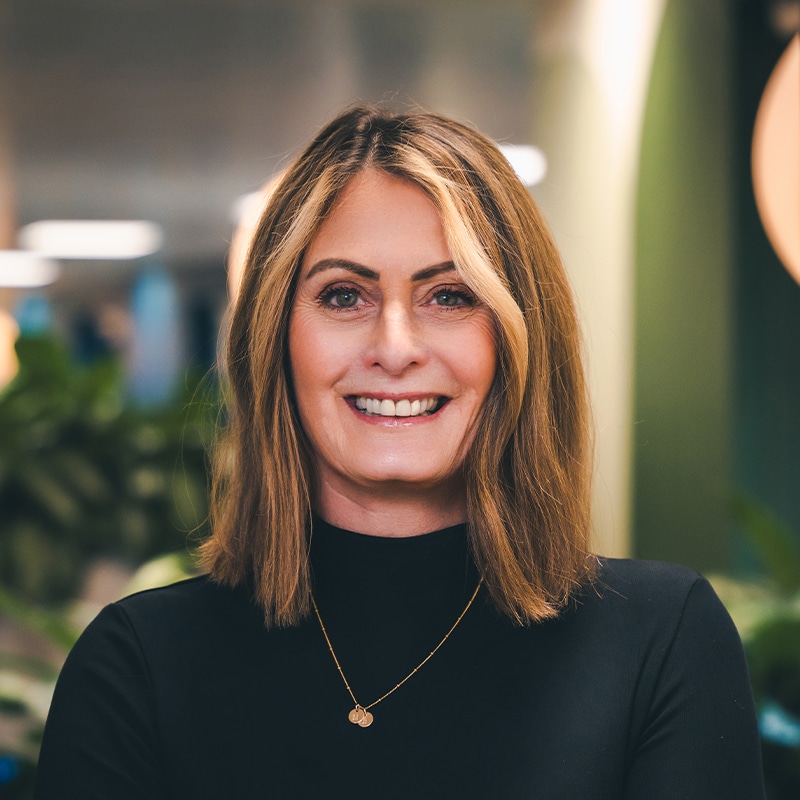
(387,602)
(638,690)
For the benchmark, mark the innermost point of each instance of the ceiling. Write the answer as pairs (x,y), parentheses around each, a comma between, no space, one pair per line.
(168,110)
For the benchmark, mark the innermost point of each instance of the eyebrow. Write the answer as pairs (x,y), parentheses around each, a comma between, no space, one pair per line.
(373,275)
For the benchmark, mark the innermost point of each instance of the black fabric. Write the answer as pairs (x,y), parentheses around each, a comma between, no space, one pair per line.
(638,691)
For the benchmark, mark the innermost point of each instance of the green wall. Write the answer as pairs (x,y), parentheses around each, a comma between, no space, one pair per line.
(683,407)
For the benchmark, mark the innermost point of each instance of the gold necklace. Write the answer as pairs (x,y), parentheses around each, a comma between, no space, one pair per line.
(361,715)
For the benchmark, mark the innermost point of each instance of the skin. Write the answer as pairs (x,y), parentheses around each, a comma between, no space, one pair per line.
(381,312)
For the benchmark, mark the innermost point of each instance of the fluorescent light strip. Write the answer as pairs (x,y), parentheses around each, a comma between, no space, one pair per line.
(23,270)
(248,208)
(92,239)
(527,161)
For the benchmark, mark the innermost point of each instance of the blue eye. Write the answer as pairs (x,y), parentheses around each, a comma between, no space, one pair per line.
(453,298)
(345,298)
(340,297)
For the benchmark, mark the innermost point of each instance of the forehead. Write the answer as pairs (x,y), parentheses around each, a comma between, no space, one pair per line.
(381,221)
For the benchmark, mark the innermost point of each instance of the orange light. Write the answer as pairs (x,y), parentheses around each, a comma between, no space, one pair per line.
(776,158)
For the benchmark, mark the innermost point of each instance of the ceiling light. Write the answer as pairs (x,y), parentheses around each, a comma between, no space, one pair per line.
(92,239)
(23,270)
(527,161)
(776,158)
(247,208)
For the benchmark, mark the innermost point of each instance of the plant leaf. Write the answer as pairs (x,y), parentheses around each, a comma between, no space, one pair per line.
(773,541)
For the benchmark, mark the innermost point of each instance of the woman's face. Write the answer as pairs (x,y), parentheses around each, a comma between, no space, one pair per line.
(391,354)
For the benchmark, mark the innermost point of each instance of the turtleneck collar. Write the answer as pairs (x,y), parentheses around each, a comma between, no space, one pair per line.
(359,574)
(328,540)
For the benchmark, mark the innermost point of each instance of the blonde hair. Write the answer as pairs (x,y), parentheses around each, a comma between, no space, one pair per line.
(528,469)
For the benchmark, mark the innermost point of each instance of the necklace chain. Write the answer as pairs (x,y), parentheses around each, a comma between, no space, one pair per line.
(361,715)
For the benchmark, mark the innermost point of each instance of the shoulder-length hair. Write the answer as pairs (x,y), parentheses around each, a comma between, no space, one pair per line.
(528,469)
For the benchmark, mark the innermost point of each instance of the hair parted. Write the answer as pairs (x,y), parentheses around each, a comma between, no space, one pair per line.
(528,469)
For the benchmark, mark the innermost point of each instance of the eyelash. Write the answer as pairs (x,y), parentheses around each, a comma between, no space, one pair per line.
(466,298)
(327,295)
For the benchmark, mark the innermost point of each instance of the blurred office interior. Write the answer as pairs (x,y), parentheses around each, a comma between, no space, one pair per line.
(171,112)
(168,115)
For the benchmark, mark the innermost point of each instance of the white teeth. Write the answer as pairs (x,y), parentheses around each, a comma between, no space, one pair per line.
(399,408)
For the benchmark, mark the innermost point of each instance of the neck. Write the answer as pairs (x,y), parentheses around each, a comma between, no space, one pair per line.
(392,511)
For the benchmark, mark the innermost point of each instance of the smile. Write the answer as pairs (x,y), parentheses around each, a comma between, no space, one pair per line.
(376,407)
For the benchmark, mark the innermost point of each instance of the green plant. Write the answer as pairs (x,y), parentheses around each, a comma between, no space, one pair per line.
(84,474)
(767,615)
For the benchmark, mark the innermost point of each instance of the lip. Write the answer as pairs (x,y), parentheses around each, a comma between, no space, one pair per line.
(396,421)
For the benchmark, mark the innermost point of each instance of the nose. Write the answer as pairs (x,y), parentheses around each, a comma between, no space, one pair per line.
(398,340)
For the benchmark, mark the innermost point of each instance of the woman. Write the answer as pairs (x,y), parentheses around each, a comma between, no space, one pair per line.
(400,600)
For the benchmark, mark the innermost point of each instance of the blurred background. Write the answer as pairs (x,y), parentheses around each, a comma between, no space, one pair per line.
(661,138)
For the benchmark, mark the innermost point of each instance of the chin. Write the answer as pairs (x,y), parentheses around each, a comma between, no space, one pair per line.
(412,478)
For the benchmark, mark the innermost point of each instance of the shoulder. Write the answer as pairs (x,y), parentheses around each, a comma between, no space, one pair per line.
(187,595)
(181,614)
(649,582)
(650,601)
(197,600)
(668,654)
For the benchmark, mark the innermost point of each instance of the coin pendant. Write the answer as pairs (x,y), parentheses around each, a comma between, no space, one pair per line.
(357,714)
(366,720)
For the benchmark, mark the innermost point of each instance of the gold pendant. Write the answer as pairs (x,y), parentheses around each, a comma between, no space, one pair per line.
(361,717)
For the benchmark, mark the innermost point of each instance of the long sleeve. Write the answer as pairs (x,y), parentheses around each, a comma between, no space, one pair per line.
(699,740)
(638,691)
(100,737)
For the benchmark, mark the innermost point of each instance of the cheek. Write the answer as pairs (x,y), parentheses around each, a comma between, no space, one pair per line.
(316,358)
(479,343)
(304,349)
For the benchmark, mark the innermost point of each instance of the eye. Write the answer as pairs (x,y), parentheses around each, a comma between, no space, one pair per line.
(340,297)
(453,297)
